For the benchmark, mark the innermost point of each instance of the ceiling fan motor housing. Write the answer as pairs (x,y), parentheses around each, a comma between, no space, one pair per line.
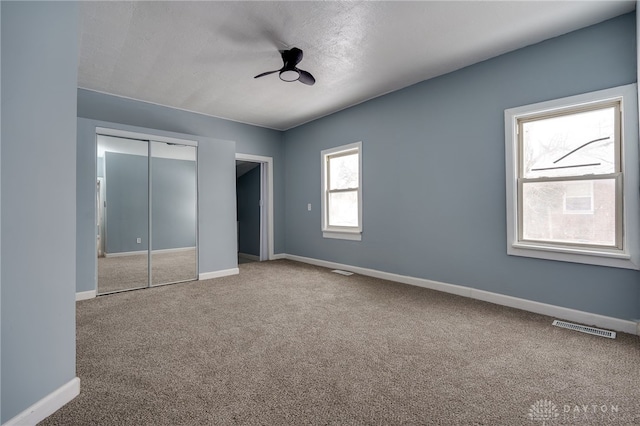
(289,75)
(289,72)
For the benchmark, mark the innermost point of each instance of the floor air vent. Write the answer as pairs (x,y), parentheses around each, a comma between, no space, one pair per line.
(338,271)
(585,329)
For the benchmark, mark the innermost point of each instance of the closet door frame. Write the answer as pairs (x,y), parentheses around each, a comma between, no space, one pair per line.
(149,138)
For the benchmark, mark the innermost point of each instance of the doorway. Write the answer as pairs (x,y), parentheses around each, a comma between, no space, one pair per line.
(147,211)
(254,208)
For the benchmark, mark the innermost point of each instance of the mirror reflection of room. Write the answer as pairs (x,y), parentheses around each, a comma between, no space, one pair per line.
(127,184)
(173,213)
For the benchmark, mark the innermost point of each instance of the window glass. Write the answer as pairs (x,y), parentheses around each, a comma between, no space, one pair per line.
(343,171)
(569,145)
(343,208)
(578,198)
(550,213)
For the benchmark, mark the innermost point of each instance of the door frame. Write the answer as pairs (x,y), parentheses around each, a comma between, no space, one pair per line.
(266,197)
(101,215)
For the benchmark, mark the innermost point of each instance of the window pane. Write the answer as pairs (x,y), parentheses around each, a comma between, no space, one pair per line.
(343,208)
(570,145)
(577,212)
(343,171)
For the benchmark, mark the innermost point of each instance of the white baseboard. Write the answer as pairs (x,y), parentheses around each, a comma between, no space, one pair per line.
(126,253)
(279,256)
(84,295)
(249,257)
(47,405)
(218,274)
(173,250)
(574,315)
(133,253)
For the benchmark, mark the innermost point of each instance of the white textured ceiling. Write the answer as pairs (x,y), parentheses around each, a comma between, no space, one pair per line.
(202,56)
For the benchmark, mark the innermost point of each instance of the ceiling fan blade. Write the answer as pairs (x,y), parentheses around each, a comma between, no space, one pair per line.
(291,57)
(306,78)
(265,73)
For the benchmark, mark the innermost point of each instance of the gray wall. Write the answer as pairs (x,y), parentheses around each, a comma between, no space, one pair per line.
(216,208)
(86,214)
(217,242)
(39,79)
(127,197)
(173,184)
(173,203)
(434,174)
(248,139)
(248,196)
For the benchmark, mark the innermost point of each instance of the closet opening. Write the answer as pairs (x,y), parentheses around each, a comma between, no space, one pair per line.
(147,211)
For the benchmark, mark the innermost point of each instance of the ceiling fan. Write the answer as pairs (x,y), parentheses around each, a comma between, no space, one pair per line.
(289,71)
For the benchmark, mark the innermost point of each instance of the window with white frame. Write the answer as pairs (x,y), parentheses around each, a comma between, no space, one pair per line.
(342,192)
(572,182)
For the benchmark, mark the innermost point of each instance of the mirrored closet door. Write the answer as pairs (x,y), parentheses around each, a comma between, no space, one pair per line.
(173,213)
(123,212)
(146,194)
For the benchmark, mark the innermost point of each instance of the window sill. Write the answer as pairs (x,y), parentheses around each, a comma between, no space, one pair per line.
(343,235)
(575,255)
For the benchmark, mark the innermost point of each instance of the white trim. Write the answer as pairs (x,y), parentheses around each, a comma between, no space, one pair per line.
(625,326)
(84,295)
(264,212)
(126,253)
(629,258)
(269,196)
(47,405)
(133,253)
(218,274)
(354,236)
(279,256)
(249,257)
(172,250)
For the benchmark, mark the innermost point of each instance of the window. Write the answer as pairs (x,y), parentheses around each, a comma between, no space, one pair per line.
(572,184)
(342,192)
(578,198)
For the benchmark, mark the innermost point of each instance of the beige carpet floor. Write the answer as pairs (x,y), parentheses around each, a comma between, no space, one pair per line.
(128,272)
(285,343)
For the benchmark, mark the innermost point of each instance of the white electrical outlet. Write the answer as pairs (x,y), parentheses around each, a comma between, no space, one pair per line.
(309,207)
(138,240)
